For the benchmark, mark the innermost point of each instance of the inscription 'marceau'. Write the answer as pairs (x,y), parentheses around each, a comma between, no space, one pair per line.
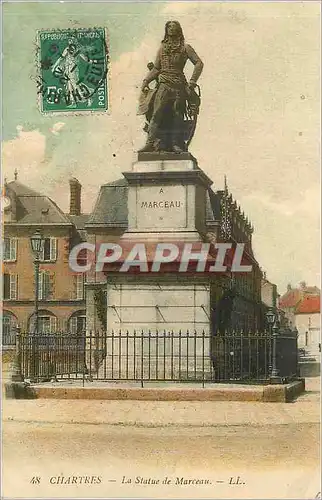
(161,204)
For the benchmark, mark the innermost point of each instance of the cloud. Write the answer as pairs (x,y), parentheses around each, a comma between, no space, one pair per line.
(286,237)
(25,153)
(307,203)
(179,7)
(57,128)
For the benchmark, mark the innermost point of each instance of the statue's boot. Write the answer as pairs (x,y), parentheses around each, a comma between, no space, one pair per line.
(148,148)
(150,143)
(177,149)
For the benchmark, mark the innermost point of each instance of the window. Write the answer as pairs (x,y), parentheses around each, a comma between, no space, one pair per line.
(10,286)
(80,285)
(77,323)
(9,323)
(82,257)
(10,249)
(45,285)
(49,253)
(47,323)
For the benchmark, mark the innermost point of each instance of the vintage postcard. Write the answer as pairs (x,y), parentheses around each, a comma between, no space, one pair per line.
(160,205)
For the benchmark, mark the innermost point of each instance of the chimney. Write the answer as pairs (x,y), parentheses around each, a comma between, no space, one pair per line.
(75,197)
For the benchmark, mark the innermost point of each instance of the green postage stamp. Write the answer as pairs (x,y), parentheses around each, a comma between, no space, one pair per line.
(73,65)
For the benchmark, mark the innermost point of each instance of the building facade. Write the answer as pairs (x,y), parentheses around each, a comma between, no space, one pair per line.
(289,301)
(236,301)
(308,323)
(61,292)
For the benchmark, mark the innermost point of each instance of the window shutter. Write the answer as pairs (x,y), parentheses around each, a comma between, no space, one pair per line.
(6,286)
(66,250)
(6,253)
(46,285)
(73,325)
(79,286)
(45,324)
(41,285)
(53,324)
(51,285)
(53,249)
(13,249)
(13,286)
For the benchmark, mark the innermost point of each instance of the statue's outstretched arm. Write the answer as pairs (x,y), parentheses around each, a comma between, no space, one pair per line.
(197,62)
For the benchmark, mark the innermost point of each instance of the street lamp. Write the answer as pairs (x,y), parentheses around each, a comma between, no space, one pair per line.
(37,243)
(272,320)
(270,316)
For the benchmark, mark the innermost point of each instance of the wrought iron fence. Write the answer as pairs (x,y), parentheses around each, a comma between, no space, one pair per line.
(241,357)
(157,356)
(43,357)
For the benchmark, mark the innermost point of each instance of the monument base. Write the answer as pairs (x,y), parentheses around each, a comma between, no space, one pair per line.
(166,199)
(164,236)
(164,155)
(158,327)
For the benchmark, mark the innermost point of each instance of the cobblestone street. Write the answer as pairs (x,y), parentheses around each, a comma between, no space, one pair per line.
(130,447)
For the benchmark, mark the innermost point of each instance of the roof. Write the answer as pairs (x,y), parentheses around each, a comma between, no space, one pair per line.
(111,205)
(212,208)
(111,208)
(294,295)
(291,298)
(312,289)
(79,221)
(33,207)
(309,305)
(20,189)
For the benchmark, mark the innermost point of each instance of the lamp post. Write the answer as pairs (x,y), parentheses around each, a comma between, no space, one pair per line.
(273,326)
(16,375)
(37,243)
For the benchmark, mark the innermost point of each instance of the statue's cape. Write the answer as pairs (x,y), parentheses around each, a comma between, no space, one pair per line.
(145,100)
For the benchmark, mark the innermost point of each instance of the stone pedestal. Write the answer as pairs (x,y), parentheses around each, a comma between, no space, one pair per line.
(164,319)
(166,200)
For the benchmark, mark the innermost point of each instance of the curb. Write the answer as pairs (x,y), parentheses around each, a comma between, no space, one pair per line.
(269,393)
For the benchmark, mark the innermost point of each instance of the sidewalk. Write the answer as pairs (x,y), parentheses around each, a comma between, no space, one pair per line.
(306,409)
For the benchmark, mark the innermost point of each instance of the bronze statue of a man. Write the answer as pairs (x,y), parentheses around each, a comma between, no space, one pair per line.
(171,108)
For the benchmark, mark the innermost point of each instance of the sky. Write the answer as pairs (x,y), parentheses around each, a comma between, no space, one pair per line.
(259,121)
